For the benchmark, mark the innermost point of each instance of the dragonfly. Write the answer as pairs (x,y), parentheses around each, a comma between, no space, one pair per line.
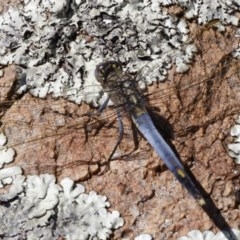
(77,123)
(125,93)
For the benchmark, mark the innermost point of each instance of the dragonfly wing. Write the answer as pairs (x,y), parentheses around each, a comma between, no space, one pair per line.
(69,137)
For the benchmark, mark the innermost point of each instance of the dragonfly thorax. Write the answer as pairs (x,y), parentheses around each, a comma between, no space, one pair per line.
(122,88)
(106,71)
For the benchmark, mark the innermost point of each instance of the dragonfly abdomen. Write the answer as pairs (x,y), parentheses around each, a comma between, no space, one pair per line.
(146,127)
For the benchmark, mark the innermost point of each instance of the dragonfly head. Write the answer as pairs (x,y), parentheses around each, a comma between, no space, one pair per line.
(106,70)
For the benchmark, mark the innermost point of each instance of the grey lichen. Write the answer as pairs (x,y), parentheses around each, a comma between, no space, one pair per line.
(143,236)
(85,215)
(208,10)
(47,210)
(234,148)
(57,44)
(38,208)
(7,156)
(207,235)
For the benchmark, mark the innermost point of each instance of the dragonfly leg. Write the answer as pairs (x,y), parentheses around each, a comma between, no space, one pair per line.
(120,136)
(100,110)
(103,106)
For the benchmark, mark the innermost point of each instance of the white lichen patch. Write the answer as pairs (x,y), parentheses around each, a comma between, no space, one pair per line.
(6,156)
(143,236)
(88,209)
(3,139)
(46,210)
(16,188)
(234,148)
(41,195)
(207,235)
(57,44)
(36,207)
(208,10)
(7,173)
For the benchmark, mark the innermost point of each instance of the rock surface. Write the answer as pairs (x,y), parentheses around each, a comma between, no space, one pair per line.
(195,111)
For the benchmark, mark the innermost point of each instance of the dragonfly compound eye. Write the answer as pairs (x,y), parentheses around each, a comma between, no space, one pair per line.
(103,70)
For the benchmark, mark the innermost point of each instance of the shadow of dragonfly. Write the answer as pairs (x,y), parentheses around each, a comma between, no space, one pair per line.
(79,142)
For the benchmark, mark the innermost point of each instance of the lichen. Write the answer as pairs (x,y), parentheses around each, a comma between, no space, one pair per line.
(7,156)
(143,236)
(47,210)
(84,215)
(234,148)
(207,235)
(57,44)
(208,10)
(39,208)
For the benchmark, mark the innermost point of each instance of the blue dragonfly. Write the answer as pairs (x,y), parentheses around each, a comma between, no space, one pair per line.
(124,92)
